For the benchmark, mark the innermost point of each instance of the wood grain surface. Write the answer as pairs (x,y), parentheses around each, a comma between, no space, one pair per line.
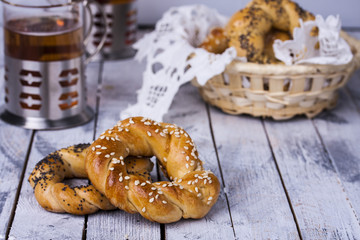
(294,179)
(31,220)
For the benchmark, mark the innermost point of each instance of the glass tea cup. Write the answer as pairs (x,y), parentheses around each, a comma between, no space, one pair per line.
(45,58)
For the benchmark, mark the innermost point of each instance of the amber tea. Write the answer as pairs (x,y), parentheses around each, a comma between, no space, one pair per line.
(43,38)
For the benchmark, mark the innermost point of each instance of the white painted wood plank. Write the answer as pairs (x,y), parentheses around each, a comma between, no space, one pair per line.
(121,79)
(340,132)
(259,207)
(189,111)
(316,193)
(12,158)
(31,221)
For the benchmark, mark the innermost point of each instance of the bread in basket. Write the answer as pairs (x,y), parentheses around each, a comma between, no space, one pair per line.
(279,91)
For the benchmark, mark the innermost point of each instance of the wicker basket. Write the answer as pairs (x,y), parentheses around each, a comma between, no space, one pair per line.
(279,91)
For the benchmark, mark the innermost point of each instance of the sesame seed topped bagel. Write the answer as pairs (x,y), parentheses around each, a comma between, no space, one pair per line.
(191,191)
(120,180)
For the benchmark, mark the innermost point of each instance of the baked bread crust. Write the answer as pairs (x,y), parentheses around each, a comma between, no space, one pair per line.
(191,192)
(249,28)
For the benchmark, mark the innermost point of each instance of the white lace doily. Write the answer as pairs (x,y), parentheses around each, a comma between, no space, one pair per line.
(333,49)
(167,51)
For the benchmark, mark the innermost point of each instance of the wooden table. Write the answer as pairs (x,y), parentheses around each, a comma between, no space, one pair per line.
(296,179)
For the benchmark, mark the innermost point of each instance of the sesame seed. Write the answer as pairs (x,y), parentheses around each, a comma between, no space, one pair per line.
(180,180)
(164,185)
(102,137)
(104,148)
(127,187)
(98,146)
(181,187)
(111,168)
(156,130)
(164,202)
(137,182)
(151,200)
(122,163)
(205,181)
(186,147)
(143,209)
(126,130)
(210,181)
(121,179)
(196,189)
(107,155)
(157,195)
(142,184)
(187,165)
(151,193)
(112,153)
(113,139)
(160,192)
(127,177)
(107,138)
(98,153)
(199,195)
(187,158)
(162,134)
(120,129)
(153,188)
(93,148)
(148,182)
(131,121)
(209,202)
(121,158)
(189,182)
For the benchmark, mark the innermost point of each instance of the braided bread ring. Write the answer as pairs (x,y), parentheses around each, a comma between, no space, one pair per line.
(55,196)
(192,191)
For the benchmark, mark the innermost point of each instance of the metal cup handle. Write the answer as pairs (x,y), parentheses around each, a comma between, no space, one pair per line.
(89,55)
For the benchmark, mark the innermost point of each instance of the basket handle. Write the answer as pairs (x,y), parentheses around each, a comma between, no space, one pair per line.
(354,44)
